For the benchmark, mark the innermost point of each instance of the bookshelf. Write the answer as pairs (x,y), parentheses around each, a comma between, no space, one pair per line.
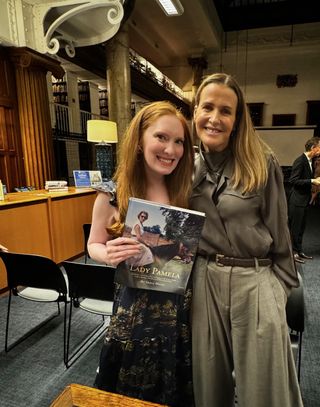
(103,102)
(84,96)
(60,93)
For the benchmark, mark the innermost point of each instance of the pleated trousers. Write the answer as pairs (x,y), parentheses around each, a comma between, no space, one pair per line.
(239,325)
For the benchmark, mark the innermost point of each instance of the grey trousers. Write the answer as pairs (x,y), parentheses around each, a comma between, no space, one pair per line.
(239,324)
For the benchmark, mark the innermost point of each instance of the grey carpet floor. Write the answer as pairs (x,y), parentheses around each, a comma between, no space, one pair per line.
(33,373)
(310,271)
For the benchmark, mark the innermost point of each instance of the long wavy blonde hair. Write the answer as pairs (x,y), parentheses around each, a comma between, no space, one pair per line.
(249,151)
(130,175)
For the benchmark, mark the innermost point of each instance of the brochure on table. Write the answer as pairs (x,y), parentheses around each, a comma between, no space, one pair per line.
(86,179)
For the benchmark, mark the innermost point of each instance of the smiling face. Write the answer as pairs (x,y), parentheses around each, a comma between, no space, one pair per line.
(162,145)
(143,216)
(215,116)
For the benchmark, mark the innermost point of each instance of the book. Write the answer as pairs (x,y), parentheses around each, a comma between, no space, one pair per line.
(55,184)
(58,189)
(169,240)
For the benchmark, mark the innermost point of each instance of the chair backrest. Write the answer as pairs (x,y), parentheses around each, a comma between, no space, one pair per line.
(32,270)
(90,280)
(295,308)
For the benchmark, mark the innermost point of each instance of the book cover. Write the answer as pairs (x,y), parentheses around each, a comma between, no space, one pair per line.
(169,238)
(95,177)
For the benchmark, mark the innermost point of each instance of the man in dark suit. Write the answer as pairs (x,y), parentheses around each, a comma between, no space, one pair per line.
(301,180)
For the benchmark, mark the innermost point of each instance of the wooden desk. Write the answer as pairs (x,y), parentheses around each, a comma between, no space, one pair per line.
(48,224)
(76,395)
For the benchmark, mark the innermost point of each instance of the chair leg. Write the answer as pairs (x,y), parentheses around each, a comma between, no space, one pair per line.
(299,355)
(65,340)
(89,340)
(66,361)
(7,324)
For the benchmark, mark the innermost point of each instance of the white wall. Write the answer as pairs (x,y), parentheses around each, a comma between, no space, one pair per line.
(287,143)
(255,58)
(270,53)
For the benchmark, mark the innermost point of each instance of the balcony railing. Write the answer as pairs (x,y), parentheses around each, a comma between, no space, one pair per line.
(65,124)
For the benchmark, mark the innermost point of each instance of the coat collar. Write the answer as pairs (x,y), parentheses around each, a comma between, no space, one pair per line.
(205,164)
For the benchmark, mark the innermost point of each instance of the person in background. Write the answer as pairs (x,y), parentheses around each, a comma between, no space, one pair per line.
(3,249)
(147,348)
(301,180)
(315,189)
(244,268)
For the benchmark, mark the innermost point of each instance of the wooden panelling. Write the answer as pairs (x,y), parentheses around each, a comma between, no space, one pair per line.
(68,215)
(25,229)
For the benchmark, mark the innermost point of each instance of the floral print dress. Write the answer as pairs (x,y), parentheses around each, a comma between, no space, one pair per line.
(147,349)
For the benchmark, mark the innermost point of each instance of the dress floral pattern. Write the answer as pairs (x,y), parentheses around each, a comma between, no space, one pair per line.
(147,349)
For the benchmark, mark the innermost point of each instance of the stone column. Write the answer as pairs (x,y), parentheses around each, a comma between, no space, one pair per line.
(34,113)
(119,79)
(198,64)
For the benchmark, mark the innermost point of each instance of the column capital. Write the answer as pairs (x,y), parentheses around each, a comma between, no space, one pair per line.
(25,57)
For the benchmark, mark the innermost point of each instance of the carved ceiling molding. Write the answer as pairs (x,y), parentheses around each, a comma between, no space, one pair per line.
(72,23)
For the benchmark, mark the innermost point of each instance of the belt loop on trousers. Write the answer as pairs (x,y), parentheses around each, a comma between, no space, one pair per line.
(256,263)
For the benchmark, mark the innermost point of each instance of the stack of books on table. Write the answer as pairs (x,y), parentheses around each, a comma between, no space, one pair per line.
(56,186)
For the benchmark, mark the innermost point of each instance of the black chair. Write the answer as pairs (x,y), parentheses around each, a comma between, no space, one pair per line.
(91,288)
(86,232)
(35,278)
(295,319)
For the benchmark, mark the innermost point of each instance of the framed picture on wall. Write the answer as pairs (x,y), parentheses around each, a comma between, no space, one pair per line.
(256,113)
(283,119)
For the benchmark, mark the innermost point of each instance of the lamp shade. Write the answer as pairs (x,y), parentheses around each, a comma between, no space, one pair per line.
(102,131)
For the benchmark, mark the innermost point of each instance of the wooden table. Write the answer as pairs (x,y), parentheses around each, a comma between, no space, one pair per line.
(76,395)
(48,224)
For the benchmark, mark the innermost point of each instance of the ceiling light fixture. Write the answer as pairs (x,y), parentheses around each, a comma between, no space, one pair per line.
(171,7)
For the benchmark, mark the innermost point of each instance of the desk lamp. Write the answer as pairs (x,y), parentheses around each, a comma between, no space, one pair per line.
(103,133)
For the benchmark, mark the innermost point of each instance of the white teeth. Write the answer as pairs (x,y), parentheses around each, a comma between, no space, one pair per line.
(211,130)
(165,160)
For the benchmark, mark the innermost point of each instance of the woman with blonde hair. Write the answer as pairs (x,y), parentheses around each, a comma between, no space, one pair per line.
(147,349)
(244,270)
